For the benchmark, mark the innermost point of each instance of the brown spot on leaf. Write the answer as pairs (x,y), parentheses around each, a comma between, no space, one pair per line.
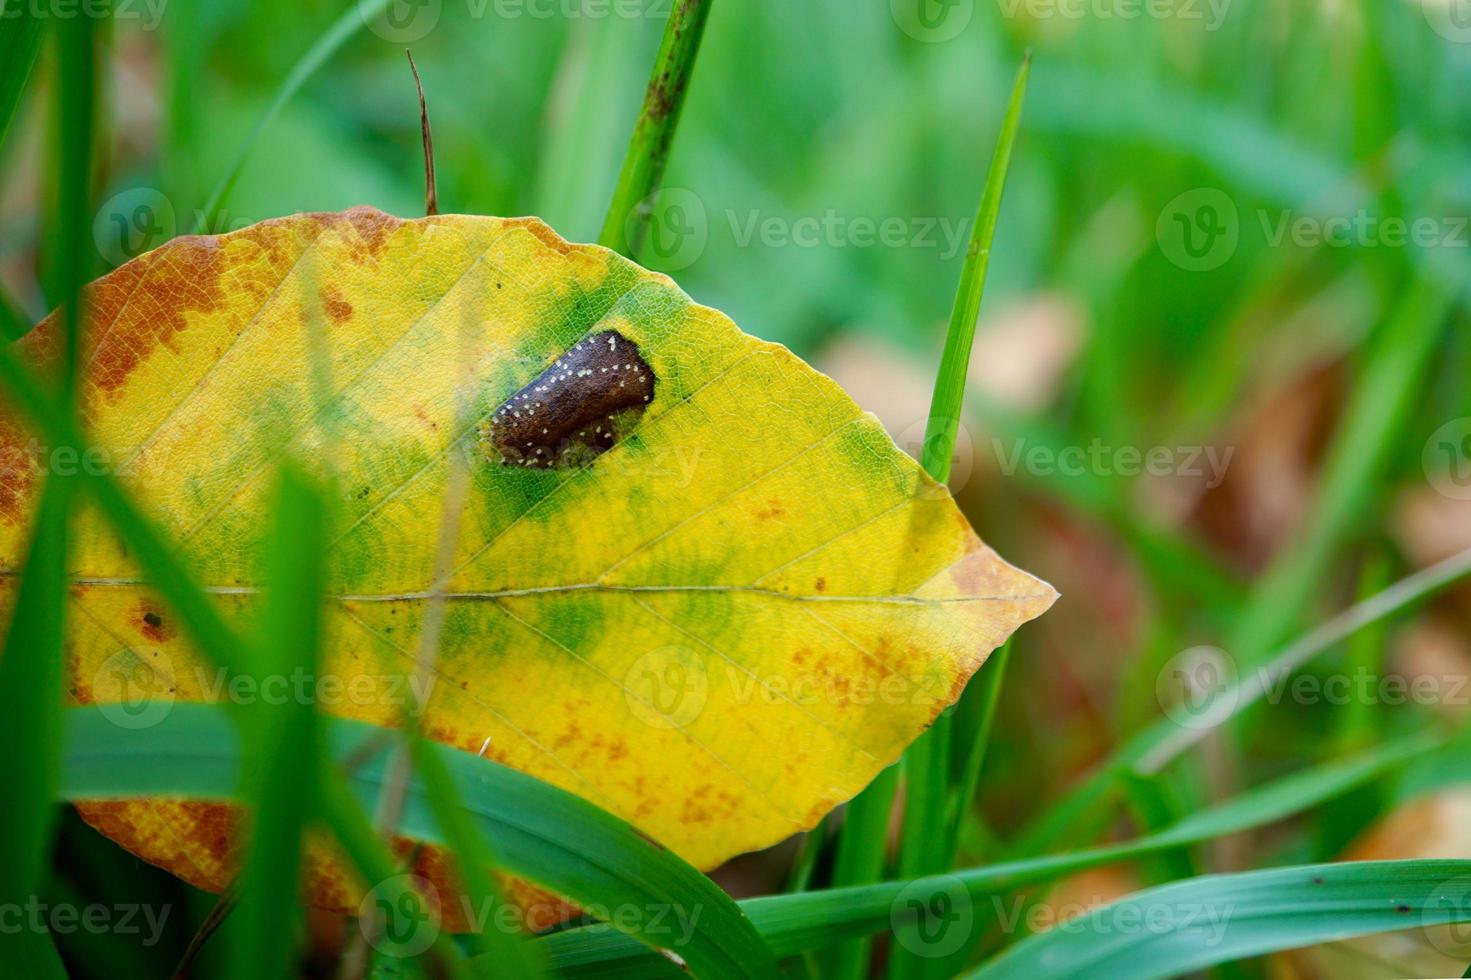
(373,227)
(335,304)
(178,280)
(545,235)
(18,469)
(152,625)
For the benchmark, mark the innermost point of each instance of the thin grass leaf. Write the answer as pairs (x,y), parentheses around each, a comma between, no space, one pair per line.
(283,744)
(1190,925)
(1156,746)
(1358,722)
(13,323)
(20,43)
(799,879)
(30,739)
(212,636)
(927,843)
(342,30)
(31,671)
(863,842)
(980,696)
(510,955)
(793,924)
(628,217)
(392,894)
(949,394)
(536,830)
(76,64)
(144,541)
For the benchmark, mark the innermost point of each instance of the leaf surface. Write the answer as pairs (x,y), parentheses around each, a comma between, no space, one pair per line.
(717,616)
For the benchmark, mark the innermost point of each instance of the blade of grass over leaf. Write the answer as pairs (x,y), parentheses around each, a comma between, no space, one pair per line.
(391,893)
(536,830)
(30,740)
(211,634)
(927,841)
(353,19)
(1201,922)
(31,671)
(195,751)
(504,948)
(20,43)
(792,924)
(147,544)
(282,741)
(628,217)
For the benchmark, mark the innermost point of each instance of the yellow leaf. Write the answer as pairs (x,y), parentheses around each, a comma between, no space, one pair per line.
(718,622)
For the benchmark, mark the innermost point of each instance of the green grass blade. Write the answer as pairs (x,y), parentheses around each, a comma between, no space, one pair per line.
(927,844)
(983,693)
(551,836)
(537,831)
(13,323)
(505,949)
(30,703)
(31,671)
(20,43)
(144,541)
(342,30)
(76,84)
(1201,922)
(1162,742)
(392,892)
(280,776)
(211,634)
(863,841)
(648,151)
(795,923)
(949,394)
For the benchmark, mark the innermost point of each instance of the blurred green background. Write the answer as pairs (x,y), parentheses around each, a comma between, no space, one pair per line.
(1235,235)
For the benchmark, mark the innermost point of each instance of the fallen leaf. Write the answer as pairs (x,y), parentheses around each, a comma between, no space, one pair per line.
(718,622)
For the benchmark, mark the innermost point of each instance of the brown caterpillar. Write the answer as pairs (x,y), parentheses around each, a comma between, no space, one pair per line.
(577,408)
